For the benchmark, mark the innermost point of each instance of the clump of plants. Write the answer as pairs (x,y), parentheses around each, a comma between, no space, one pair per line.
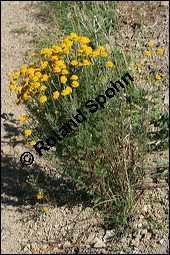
(103,153)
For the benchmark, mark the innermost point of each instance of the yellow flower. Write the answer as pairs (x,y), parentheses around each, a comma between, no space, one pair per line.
(66,91)
(149,44)
(109,64)
(32,143)
(64,71)
(103,54)
(23,118)
(44,249)
(95,53)
(63,79)
(45,208)
(56,49)
(17,88)
(75,84)
(147,53)
(12,88)
(35,249)
(12,82)
(43,87)
(43,99)
(27,132)
(46,52)
(33,54)
(100,48)
(56,94)
(18,101)
(159,50)
(56,112)
(39,196)
(56,69)
(86,62)
(44,77)
(74,77)
(83,40)
(157,77)
(26,95)
(23,185)
(137,64)
(74,62)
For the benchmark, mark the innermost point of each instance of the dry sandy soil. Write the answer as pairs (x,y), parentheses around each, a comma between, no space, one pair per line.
(63,229)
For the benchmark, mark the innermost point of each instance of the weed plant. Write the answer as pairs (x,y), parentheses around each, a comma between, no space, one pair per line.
(104,155)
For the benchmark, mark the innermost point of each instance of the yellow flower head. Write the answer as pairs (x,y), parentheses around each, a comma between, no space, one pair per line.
(74,62)
(159,50)
(23,185)
(157,77)
(32,143)
(45,208)
(23,118)
(27,132)
(43,99)
(100,48)
(75,84)
(74,77)
(149,44)
(63,79)
(33,54)
(109,64)
(43,87)
(56,94)
(86,62)
(147,53)
(39,196)
(64,71)
(44,77)
(137,64)
(56,112)
(66,91)
(103,54)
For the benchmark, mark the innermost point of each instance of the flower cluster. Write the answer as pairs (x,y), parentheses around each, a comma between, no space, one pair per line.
(36,82)
(52,64)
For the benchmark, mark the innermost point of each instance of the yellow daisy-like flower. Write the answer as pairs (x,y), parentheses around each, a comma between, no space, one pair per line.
(12,88)
(27,132)
(100,48)
(103,54)
(137,64)
(74,62)
(159,50)
(95,53)
(56,112)
(18,101)
(109,63)
(39,196)
(43,99)
(75,84)
(23,118)
(57,69)
(147,53)
(56,94)
(64,71)
(32,143)
(86,62)
(33,54)
(66,91)
(45,208)
(44,77)
(74,77)
(157,77)
(149,44)
(43,87)
(12,82)
(63,79)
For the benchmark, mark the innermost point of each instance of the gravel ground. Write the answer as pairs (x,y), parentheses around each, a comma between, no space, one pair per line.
(63,229)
